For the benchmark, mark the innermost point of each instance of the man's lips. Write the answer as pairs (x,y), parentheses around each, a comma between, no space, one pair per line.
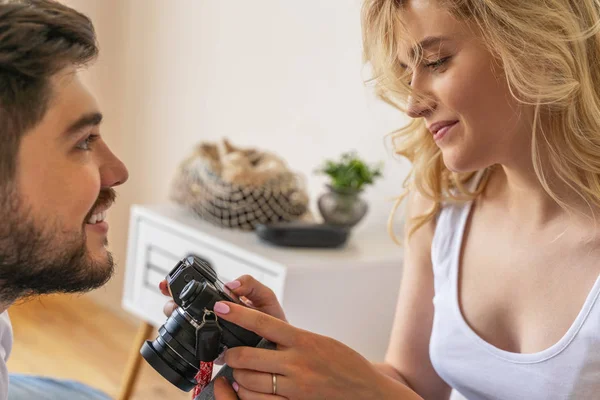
(98,210)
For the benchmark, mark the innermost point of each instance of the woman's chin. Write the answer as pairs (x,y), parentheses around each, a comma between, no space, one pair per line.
(457,162)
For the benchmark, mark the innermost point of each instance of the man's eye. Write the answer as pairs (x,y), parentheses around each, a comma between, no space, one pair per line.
(86,144)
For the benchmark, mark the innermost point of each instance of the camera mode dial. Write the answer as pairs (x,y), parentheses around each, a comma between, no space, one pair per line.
(190,292)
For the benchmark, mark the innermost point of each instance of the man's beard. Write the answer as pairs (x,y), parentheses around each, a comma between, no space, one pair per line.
(40,258)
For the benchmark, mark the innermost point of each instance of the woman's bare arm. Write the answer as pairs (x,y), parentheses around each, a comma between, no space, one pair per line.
(407,358)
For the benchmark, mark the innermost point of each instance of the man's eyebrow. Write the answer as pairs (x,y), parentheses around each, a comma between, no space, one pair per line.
(427,42)
(86,120)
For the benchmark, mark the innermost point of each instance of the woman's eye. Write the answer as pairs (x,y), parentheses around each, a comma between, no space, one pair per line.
(86,144)
(438,63)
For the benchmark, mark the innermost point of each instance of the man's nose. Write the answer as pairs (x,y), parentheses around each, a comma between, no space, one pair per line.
(113,172)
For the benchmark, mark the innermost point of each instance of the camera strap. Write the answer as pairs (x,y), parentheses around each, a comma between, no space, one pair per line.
(208,337)
(203,377)
(208,343)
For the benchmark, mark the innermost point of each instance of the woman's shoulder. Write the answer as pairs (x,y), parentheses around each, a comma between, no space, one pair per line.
(419,206)
(444,218)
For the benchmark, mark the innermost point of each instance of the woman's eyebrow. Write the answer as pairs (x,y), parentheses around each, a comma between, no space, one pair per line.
(425,44)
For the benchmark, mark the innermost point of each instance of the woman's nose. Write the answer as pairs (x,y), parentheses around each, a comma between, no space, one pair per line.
(421,101)
(420,106)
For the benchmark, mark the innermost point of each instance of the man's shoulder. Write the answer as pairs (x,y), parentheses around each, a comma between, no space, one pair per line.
(6,341)
(6,336)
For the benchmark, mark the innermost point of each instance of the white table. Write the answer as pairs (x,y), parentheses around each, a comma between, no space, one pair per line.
(348,294)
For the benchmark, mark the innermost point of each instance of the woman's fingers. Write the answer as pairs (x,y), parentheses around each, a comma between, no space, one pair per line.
(270,328)
(261,382)
(249,287)
(223,390)
(169,307)
(164,288)
(260,296)
(260,360)
(246,394)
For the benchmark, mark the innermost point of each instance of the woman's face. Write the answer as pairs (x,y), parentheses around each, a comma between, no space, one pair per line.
(465,100)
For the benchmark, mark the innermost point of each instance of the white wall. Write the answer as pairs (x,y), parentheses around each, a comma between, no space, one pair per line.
(286,76)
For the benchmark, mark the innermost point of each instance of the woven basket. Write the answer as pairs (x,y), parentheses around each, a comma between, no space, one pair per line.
(244,198)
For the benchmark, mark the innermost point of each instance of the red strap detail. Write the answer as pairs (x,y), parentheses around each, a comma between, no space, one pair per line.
(203,377)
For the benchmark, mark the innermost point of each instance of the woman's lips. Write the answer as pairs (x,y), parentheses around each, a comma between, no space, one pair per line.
(443,131)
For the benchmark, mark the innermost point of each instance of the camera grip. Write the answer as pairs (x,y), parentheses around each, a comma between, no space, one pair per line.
(227,372)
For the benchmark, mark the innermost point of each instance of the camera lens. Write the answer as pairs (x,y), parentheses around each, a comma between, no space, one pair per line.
(172,353)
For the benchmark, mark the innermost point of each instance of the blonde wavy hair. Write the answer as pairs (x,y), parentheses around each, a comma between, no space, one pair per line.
(549,52)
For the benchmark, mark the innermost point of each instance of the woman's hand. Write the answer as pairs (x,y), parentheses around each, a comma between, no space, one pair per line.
(223,390)
(252,293)
(307,366)
(256,295)
(170,306)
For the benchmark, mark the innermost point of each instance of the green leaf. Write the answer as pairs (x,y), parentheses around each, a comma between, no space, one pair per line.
(350,172)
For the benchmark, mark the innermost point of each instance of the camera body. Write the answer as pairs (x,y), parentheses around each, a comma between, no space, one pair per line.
(186,338)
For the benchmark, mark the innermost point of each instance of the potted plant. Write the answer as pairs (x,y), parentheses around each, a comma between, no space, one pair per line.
(342,205)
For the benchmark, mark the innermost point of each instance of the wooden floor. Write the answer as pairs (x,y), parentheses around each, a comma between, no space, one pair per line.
(71,337)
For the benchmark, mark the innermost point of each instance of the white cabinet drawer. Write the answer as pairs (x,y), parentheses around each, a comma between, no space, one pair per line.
(164,247)
(156,250)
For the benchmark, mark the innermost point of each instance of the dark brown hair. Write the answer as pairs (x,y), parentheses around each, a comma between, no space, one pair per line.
(38,38)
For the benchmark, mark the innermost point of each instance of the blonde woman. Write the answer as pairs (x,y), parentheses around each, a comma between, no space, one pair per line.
(499,293)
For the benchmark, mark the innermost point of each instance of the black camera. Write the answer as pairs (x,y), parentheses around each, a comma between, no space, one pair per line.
(193,333)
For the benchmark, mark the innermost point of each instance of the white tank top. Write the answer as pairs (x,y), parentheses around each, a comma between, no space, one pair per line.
(570,369)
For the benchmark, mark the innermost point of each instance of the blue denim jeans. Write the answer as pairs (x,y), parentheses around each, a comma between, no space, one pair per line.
(26,387)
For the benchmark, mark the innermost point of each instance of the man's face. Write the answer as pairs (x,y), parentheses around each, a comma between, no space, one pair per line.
(50,237)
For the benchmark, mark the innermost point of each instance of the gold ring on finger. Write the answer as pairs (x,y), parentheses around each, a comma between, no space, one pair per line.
(274,383)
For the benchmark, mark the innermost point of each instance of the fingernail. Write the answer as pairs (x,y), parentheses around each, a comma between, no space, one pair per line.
(220,360)
(235,386)
(233,285)
(162,285)
(221,308)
